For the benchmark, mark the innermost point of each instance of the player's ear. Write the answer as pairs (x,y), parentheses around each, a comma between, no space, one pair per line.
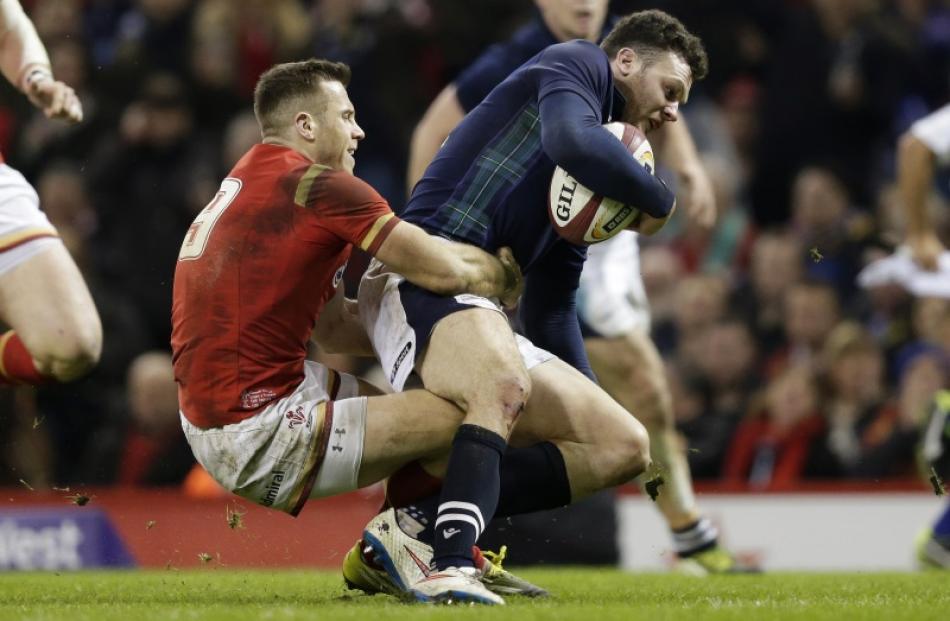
(627,61)
(305,125)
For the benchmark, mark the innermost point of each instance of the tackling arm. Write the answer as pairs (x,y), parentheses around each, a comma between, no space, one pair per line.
(449,268)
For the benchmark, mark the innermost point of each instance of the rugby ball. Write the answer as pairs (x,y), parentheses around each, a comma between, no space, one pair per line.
(582,217)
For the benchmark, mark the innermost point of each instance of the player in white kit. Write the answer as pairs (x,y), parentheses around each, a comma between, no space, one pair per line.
(56,334)
(922,149)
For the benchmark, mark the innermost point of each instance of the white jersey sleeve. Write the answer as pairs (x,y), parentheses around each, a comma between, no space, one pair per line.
(934,131)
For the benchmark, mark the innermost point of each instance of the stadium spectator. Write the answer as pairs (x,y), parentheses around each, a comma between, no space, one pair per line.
(727,373)
(809,312)
(868,435)
(772,445)
(146,447)
(832,232)
(700,301)
(775,266)
(148,181)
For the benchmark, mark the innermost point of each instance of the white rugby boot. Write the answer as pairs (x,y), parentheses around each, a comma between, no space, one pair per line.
(387,559)
(455,585)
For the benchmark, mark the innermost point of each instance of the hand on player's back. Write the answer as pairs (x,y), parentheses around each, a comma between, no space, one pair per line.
(509,299)
(56,99)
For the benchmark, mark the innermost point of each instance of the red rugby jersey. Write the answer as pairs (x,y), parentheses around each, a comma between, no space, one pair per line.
(255,269)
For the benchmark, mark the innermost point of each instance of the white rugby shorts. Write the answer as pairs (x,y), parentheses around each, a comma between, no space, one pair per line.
(612,300)
(302,446)
(399,318)
(25,231)
(934,131)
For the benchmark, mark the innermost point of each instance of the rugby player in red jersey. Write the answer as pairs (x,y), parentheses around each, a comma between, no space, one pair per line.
(257,276)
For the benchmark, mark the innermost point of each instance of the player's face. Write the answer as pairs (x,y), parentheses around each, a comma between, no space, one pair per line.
(574,19)
(654,89)
(336,129)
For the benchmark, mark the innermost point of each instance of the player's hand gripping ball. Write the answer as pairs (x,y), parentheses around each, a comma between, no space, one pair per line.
(582,217)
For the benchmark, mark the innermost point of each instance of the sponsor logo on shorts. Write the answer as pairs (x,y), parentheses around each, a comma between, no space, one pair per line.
(402,356)
(277,477)
(339,433)
(297,417)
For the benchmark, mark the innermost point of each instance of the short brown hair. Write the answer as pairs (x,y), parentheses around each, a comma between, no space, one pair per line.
(649,31)
(287,81)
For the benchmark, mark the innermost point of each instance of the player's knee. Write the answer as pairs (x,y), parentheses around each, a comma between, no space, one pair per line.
(71,356)
(628,455)
(656,410)
(509,390)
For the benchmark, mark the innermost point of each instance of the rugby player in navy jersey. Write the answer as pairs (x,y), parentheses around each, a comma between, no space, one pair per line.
(612,302)
(488,187)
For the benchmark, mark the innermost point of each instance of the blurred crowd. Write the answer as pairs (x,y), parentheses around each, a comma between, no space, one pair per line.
(783,370)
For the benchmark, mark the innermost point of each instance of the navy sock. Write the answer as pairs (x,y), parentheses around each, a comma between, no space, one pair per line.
(532,479)
(942,526)
(469,495)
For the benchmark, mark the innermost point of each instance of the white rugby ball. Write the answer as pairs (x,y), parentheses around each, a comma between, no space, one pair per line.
(582,217)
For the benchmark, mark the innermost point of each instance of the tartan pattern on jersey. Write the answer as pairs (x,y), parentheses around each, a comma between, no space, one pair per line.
(503,162)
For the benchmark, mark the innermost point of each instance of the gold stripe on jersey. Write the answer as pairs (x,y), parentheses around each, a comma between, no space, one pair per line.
(14,239)
(374,231)
(306,182)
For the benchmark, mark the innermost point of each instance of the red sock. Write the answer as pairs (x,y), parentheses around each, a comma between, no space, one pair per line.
(408,484)
(16,363)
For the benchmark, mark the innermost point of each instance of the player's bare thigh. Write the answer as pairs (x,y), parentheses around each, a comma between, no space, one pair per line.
(602,443)
(473,360)
(48,304)
(630,368)
(403,427)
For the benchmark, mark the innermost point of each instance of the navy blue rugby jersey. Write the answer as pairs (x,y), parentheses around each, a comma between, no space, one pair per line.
(488,184)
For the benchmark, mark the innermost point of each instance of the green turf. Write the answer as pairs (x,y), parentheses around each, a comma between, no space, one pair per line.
(217,593)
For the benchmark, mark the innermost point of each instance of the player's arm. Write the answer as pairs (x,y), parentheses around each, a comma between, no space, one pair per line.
(437,123)
(574,139)
(548,307)
(449,268)
(678,152)
(25,63)
(915,174)
(350,209)
(338,329)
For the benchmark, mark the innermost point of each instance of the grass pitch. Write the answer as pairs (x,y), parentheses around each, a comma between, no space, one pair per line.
(217,593)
